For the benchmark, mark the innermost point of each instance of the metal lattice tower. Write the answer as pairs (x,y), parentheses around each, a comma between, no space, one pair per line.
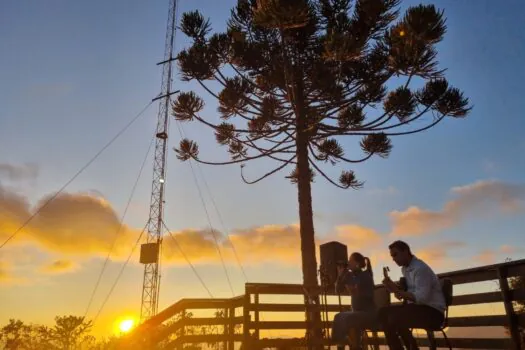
(150,251)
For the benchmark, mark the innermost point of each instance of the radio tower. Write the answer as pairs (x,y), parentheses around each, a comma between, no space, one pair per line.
(150,251)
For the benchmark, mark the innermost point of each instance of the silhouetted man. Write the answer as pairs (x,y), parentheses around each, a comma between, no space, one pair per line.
(424,305)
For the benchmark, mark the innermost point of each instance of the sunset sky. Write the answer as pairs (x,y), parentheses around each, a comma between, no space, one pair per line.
(73,73)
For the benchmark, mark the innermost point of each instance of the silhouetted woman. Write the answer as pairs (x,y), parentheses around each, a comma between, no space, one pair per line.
(358,281)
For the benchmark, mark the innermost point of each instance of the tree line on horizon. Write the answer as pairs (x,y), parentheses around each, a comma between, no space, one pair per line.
(74,333)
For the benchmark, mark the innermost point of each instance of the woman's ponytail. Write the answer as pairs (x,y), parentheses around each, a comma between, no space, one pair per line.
(369,266)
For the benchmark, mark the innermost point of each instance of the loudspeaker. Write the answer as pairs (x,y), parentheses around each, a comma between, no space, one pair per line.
(332,254)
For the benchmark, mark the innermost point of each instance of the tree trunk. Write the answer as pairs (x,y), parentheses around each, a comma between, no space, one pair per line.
(308,256)
(306,222)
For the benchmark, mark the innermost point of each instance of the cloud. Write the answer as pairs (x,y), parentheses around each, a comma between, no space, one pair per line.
(480,199)
(492,256)
(12,172)
(4,272)
(79,223)
(59,266)
(486,257)
(438,254)
(358,237)
(6,275)
(508,249)
(84,225)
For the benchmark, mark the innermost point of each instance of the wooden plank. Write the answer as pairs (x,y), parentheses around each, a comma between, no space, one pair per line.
(510,265)
(283,325)
(274,288)
(211,321)
(515,270)
(237,302)
(286,289)
(476,274)
(246,318)
(207,338)
(457,343)
(477,321)
(199,321)
(489,297)
(478,298)
(256,323)
(469,321)
(185,304)
(275,307)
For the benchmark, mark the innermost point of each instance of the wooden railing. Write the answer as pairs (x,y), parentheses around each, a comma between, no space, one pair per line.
(241,318)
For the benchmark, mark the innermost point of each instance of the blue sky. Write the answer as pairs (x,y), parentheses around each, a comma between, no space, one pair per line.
(73,73)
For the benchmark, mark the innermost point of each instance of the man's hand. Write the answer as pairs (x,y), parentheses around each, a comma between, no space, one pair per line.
(402,295)
(390,285)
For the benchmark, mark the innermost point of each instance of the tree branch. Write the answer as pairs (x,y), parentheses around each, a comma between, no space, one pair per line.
(365,158)
(277,95)
(438,119)
(326,176)
(282,166)
(244,159)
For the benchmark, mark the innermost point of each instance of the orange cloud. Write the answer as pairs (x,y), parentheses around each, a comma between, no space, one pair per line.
(59,266)
(358,237)
(481,198)
(492,256)
(6,276)
(268,243)
(507,249)
(85,224)
(438,255)
(4,272)
(81,224)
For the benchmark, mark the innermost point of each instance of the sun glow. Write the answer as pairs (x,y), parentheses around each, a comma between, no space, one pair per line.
(126,325)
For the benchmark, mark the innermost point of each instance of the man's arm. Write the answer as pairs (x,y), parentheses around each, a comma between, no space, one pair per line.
(423,280)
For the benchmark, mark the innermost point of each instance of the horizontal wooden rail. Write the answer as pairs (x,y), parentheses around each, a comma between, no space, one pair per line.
(466,321)
(192,322)
(467,299)
(477,274)
(457,343)
(192,304)
(205,338)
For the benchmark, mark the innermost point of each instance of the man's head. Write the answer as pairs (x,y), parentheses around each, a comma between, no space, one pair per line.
(400,253)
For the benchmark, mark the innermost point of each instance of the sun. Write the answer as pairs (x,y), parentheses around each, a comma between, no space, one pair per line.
(126,325)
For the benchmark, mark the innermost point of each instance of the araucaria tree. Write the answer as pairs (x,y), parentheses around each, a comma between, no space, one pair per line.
(299,75)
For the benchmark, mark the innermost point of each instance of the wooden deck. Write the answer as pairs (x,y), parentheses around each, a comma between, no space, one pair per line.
(240,320)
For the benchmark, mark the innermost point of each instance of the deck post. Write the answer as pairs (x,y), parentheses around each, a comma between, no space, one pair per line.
(246,323)
(257,325)
(509,309)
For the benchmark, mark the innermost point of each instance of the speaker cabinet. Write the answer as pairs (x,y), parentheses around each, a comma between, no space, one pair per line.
(332,254)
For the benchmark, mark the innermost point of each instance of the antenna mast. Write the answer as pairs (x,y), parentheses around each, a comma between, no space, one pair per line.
(150,251)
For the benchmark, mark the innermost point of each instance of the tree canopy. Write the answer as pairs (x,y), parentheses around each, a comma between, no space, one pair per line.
(318,70)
